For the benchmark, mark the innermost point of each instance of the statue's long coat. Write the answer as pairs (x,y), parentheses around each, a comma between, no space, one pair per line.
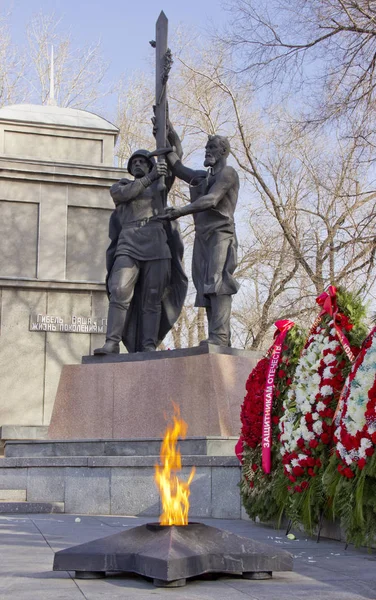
(174,295)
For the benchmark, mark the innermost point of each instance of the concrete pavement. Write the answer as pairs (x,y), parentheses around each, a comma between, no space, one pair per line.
(324,571)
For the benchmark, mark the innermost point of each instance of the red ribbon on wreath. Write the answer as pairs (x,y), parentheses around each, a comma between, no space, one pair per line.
(239,449)
(275,353)
(328,301)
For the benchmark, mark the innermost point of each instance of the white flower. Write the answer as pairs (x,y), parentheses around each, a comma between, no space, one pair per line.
(328,358)
(333,345)
(317,427)
(315,379)
(305,408)
(340,446)
(326,390)
(327,374)
(365,443)
(320,406)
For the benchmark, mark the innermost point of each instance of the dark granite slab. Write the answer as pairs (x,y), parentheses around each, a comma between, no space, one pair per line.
(208,446)
(180,353)
(113,461)
(171,554)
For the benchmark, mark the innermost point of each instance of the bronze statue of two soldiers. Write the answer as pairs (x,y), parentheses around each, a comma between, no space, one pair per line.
(146,282)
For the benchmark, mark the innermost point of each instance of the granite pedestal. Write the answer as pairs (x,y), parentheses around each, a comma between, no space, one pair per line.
(130,395)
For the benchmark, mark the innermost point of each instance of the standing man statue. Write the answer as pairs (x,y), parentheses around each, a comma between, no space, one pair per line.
(214,194)
(146,283)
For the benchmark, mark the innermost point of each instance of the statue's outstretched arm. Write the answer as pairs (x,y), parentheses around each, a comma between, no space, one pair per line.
(226,180)
(180,170)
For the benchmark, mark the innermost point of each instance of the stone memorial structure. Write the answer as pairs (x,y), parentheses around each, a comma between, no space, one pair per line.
(56,167)
(108,413)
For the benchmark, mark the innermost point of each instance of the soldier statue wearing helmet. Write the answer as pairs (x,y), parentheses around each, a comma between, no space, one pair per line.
(146,283)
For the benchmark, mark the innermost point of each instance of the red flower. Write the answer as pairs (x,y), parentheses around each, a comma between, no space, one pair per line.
(281,373)
(304,485)
(255,467)
(361,463)
(325,438)
(313,443)
(298,471)
(347,472)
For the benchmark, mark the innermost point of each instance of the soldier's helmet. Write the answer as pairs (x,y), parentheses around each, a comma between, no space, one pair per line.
(144,154)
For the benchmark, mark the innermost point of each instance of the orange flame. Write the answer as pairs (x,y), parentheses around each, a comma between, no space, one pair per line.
(174,492)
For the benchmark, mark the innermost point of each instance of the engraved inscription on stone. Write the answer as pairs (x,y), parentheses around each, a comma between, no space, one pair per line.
(72,324)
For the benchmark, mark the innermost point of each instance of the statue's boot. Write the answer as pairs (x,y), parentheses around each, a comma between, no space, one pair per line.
(150,330)
(218,314)
(115,327)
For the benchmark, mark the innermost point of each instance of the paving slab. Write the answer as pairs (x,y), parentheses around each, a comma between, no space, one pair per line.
(324,571)
(31,507)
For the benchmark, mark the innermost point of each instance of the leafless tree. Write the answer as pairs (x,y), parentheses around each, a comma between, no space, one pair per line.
(12,68)
(79,71)
(316,208)
(322,53)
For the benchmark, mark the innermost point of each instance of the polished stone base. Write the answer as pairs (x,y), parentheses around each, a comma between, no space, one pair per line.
(171,554)
(203,348)
(131,398)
